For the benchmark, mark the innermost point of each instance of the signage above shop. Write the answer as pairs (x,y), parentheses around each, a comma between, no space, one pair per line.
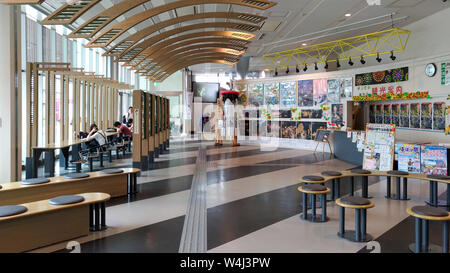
(393,96)
(382,77)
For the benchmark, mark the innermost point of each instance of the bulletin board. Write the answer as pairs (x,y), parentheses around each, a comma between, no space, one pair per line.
(379,147)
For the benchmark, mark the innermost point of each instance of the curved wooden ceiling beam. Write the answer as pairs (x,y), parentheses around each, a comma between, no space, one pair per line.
(141,48)
(231,43)
(108,36)
(162,66)
(229,57)
(69,12)
(219,47)
(101,20)
(190,62)
(230,35)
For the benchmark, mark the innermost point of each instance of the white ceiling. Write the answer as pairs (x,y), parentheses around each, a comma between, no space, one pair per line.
(292,22)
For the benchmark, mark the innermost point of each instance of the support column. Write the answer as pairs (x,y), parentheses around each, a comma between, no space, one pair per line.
(10,104)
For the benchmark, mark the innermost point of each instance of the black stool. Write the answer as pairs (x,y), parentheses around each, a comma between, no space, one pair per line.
(398,194)
(434,191)
(360,205)
(364,183)
(422,215)
(335,184)
(313,190)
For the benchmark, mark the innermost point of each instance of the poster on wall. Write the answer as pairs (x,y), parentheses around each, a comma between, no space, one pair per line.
(434,160)
(379,147)
(316,126)
(404,115)
(445,73)
(256,96)
(439,116)
(346,88)
(285,114)
(372,116)
(379,114)
(320,91)
(288,94)
(415,115)
(409,158)
(426,121)
(304,130)
(272,94)
(447,120)
(305,93)
(337,113)
(382,77)
(396,114)
(289,129)
(334,91)
(387,114)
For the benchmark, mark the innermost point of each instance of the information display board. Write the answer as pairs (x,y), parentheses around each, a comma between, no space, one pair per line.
(379,147)
(434,160)
(409,158)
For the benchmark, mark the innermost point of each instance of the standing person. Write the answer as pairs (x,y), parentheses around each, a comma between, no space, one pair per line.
(129,116)
(218,123)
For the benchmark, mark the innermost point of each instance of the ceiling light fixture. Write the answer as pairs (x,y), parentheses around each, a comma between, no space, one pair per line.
(305,68)
(326,65)
(304,44)
(296,69)
(287,70)
(315,67)
(338,64)
(392,56)
(362,60)
(378,58)
(350,62)
(348,15)
(276,72)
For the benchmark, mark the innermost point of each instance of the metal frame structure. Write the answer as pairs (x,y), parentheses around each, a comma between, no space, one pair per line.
(378,43)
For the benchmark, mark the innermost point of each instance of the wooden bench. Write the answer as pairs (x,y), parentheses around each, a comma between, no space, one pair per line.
(432,179)
(118,184)
(44,224)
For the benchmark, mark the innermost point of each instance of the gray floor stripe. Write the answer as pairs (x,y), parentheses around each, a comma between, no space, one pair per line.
(193,238)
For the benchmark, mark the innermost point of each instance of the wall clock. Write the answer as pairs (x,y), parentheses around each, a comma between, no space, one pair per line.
(430,70)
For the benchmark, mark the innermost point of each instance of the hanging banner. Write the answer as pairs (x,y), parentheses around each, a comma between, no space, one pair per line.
(382,77)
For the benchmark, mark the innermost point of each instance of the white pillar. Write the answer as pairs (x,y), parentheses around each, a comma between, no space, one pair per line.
(10,104)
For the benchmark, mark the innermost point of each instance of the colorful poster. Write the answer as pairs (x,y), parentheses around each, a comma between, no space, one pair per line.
(396,114)
(447,120)
(372,116)
(404,115)
(256,96)
(288,94)
(439,116)
(289,129)
(285,114)
(304,130)
(337,113)
(306,93)
(334,91)
(346,88)
(426,121)
(415,115)
(379,114)
(272,94)
(315,126)
(320,91)
(387,114)
(445,73)
(434,160)
(409,158)
(381,77)
(380,146)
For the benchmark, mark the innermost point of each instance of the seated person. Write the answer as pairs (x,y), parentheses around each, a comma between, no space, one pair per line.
(130,124)
(95,138)
(123,129)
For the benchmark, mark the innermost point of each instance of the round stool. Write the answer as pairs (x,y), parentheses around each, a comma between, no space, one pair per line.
(313,179)
(360,205)
(364,183)
(422,215)
(398,194)
(313,190)
(434,191)
(335,183)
